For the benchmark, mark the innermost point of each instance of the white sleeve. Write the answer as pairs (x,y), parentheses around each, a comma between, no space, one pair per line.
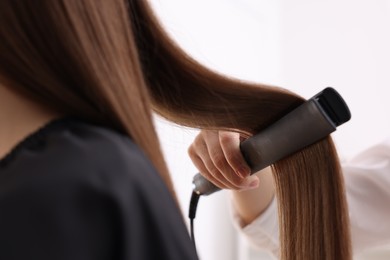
(263,232)
(367,180)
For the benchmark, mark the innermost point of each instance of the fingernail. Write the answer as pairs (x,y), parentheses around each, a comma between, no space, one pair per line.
(254,184)
(251,182)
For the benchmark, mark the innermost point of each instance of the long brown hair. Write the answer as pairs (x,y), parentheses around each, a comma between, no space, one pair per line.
(111,62)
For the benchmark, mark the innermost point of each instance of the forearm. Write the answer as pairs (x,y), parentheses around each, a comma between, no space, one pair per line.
(250,204)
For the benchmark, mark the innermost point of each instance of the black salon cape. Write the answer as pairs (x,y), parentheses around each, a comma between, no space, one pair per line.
(78,191)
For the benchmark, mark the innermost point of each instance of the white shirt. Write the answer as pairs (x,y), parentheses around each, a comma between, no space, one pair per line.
(367,180)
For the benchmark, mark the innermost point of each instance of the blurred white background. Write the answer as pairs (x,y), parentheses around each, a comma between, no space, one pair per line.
(301,45)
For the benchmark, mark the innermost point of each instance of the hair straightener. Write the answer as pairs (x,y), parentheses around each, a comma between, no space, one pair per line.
(307,124)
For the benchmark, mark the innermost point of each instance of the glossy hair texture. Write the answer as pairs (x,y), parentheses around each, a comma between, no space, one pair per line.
(111,62)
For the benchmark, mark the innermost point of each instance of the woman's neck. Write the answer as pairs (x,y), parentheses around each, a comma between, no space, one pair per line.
(19,117)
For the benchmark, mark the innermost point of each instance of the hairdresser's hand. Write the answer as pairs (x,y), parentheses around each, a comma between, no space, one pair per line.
(218,158)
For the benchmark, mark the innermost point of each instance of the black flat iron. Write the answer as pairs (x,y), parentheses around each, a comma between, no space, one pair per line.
(305,125)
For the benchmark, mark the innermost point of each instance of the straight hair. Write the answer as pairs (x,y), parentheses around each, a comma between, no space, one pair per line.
(111,62)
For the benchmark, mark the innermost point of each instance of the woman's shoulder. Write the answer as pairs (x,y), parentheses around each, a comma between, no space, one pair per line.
(71,152)
(94,182)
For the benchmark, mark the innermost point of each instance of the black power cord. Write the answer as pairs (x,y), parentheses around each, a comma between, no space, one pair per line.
(192,213)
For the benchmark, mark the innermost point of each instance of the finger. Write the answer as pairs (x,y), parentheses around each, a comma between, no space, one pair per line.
(230,145)
(218,159)
(197,161)
(216,177)
(200,148)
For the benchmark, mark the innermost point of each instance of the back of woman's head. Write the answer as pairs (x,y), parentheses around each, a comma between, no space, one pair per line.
(80,58)
(110,62)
